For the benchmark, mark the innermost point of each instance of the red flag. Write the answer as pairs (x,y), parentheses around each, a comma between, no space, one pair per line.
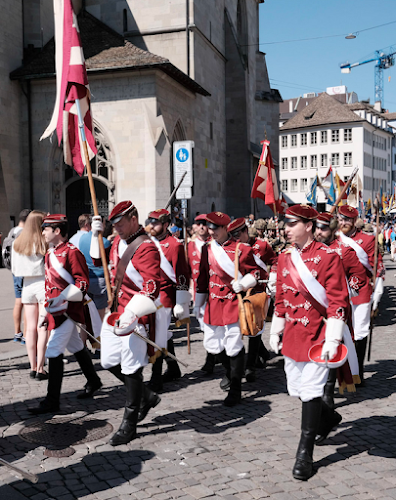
(283,206)
(265,185)
(71,84)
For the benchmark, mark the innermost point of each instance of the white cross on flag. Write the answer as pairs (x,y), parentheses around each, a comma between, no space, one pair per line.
(71,84)
(265,185)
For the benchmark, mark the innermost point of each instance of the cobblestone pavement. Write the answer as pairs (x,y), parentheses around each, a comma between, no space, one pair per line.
(192,447)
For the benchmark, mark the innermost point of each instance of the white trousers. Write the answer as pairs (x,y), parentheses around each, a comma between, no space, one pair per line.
(218,338)
(129,351)
(66,336)
(305,379)
(361,320)
(162,321)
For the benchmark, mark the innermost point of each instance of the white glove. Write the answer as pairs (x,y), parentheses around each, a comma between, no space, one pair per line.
(197,311)
(378,291)
(182,307)
(96,225)
(243,284)
(140,305)
(70,294)
(271,285)
(333,337)
(200,300)
(277,327)
(126,318)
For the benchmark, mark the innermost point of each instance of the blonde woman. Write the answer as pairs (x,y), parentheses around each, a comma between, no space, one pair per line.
(27,261)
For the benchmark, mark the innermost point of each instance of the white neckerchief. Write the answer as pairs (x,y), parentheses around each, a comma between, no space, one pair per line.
(360,252)
(224,260)
(165,264)
(317,291)
(130,270)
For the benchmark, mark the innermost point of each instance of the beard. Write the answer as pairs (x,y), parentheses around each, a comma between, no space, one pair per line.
(346,229)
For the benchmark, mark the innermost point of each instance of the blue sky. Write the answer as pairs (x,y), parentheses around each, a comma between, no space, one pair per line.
(311,66)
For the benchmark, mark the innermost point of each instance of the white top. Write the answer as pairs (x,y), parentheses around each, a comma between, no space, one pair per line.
(26,265)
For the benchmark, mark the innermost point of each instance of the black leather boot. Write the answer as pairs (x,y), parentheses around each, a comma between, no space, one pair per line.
(263,356)
(310,418)
(328,391)
(150,399)
(173,371)
(237,370)
(252,357)
(93,381)
(360,346)
(127,429)
(155,383)
(329,419)
(225,382)
(209,365)
(55,377)
(116,371)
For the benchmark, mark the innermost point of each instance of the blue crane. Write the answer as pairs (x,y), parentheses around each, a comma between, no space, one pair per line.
(383,61)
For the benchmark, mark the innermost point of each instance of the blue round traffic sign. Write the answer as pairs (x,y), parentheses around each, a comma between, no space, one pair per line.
(182,155)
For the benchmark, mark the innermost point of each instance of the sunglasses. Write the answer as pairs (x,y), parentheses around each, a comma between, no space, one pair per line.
(200,222)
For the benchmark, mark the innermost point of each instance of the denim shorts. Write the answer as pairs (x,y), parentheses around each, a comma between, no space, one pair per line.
(18,285)
(97,291)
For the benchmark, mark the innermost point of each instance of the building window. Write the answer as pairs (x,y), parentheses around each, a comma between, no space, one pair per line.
(314,161)
(347,159)
(294,140)
(304,162)
(284,141)
(303,185)
(293,164)
(284,164)
(323,137)
(323,160)
(335,135)
(303,139)
(348,135)
(293,185)
(284,185)
(314,138)
(335,159)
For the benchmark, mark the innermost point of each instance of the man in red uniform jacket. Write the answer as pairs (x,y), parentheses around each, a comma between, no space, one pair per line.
(174,294)
(217,288)
(364,246)
(308,290)
(194,250)
(123,353)
(66,282)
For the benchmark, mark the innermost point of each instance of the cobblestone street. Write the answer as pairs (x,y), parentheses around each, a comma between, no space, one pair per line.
(191,446)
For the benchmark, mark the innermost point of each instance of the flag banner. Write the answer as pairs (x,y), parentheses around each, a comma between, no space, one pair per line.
(354,193)
(368,207)
(283,206)
(340,185)
(327,184)
(311,196)
(71,84)
(265,186)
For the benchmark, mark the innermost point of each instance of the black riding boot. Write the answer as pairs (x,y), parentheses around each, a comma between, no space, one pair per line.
(328,391)
(252,357)
(329,419)
(263,356)
(55,377)
(150,399)
(155,383)
(173,371)
(127,430)
(237,370)
(209,365)
(310,420)
(360,346)
(93,381)
(226,380)
(116,371)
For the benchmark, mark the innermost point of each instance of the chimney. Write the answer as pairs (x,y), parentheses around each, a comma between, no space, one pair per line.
(291,106)
(377,106)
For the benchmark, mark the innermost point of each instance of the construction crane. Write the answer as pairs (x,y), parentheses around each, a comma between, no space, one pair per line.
(383,61)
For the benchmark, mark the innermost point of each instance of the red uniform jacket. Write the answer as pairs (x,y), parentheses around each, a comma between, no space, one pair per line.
(194,251)
(222,306)
(146,261)
(367,242)
(73,261)
(304,324)
(173,250)
(264,250)
(355,272)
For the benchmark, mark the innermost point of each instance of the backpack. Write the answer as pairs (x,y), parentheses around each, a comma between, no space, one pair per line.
(6,248)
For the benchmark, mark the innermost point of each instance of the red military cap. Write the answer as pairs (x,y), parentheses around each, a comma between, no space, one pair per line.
(237,225)
(348,211)
(200,218)
(304,212)
(160,215)
(120,210)
(217,219)
(325,219)
(54,219)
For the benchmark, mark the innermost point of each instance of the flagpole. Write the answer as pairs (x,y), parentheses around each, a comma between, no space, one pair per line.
(348,183)
(94,201)
(276,222)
